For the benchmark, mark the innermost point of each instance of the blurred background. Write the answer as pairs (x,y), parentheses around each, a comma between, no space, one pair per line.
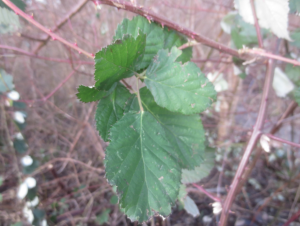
(51,156)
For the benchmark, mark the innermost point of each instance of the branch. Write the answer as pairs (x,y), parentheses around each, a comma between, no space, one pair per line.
(72,13)
(121,4)
(21,51)
(257,28)
(252,142)
(216,199)
(47,31)
(282,140)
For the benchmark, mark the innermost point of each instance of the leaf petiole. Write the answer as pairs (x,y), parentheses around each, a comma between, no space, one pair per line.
(138,95)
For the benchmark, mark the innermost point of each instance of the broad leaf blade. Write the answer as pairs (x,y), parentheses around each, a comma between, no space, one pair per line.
(119,60)
(179,88)
(139,161)
(294,6)
(293,72)
(6,82)
(9,21)
(19,3)
(202,171)
(185,133)
(296,38)
(173,38)
(87,94)
(154,33)
(110,110)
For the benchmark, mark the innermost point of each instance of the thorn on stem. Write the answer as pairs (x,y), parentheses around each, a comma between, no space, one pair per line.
(93,55)
(31,16)
(79,52)
(75,44)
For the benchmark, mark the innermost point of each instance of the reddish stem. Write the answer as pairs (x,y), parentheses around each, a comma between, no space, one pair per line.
(293,218)
(257,28)
(216,199)
(252,142)
(283,141)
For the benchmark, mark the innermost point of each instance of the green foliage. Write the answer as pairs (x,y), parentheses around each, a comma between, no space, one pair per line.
(179,88)
(104,217)
(202,171)
(154,132)
(119,61)
(297,95)
(293,72)
(6,82)
(20,145)
(157,38)
(110,110)
(19,3)
(29,169)
(9,21)
(87,94)
(294,6)
(295,35)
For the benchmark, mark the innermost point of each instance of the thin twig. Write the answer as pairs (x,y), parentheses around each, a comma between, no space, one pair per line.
(47,31)
(252,142)
(257,28)
(283,141)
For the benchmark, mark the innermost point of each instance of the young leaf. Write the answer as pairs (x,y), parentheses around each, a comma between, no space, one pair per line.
(184,133)
(191,207)
(154,33)
(87,94)
(202,171)
(179,88)
(19,3)
(173,38)
(119,60)
(271,14)
(140,162)
(110,110)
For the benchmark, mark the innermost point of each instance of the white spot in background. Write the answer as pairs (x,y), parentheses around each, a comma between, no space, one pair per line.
(44,223)
(33,203)
(207,219)
(28,214)
(19,117)
(91,86)
(219,82)
(228,21)
(265,143)
(217,208)
(236,70)
(23,190)
(26,160)
(30,182)
(281,83)
(13,95)
(19,136)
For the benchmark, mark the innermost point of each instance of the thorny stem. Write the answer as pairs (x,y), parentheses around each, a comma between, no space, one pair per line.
(41,27)
(138,95)
(121,4)
(252,142)
(257,28)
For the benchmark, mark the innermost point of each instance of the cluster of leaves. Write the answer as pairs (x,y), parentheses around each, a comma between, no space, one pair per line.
(154,132)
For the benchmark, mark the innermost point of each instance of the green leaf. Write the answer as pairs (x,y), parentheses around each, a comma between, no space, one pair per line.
(179,88)
(104,217)
(140,162)
(154,33)
(19,3)
(119,60)
(87,94)
(297,95)
(1,198)
(29,169)
(202,171)
(19,105)
(1,181)
(173,38)
(114,200)
(20,145)
(295,35)
(185,133)
(6,82)
(110,110)
(294,6)
(293,72)
(9,21)
(39,216)
(17,224)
